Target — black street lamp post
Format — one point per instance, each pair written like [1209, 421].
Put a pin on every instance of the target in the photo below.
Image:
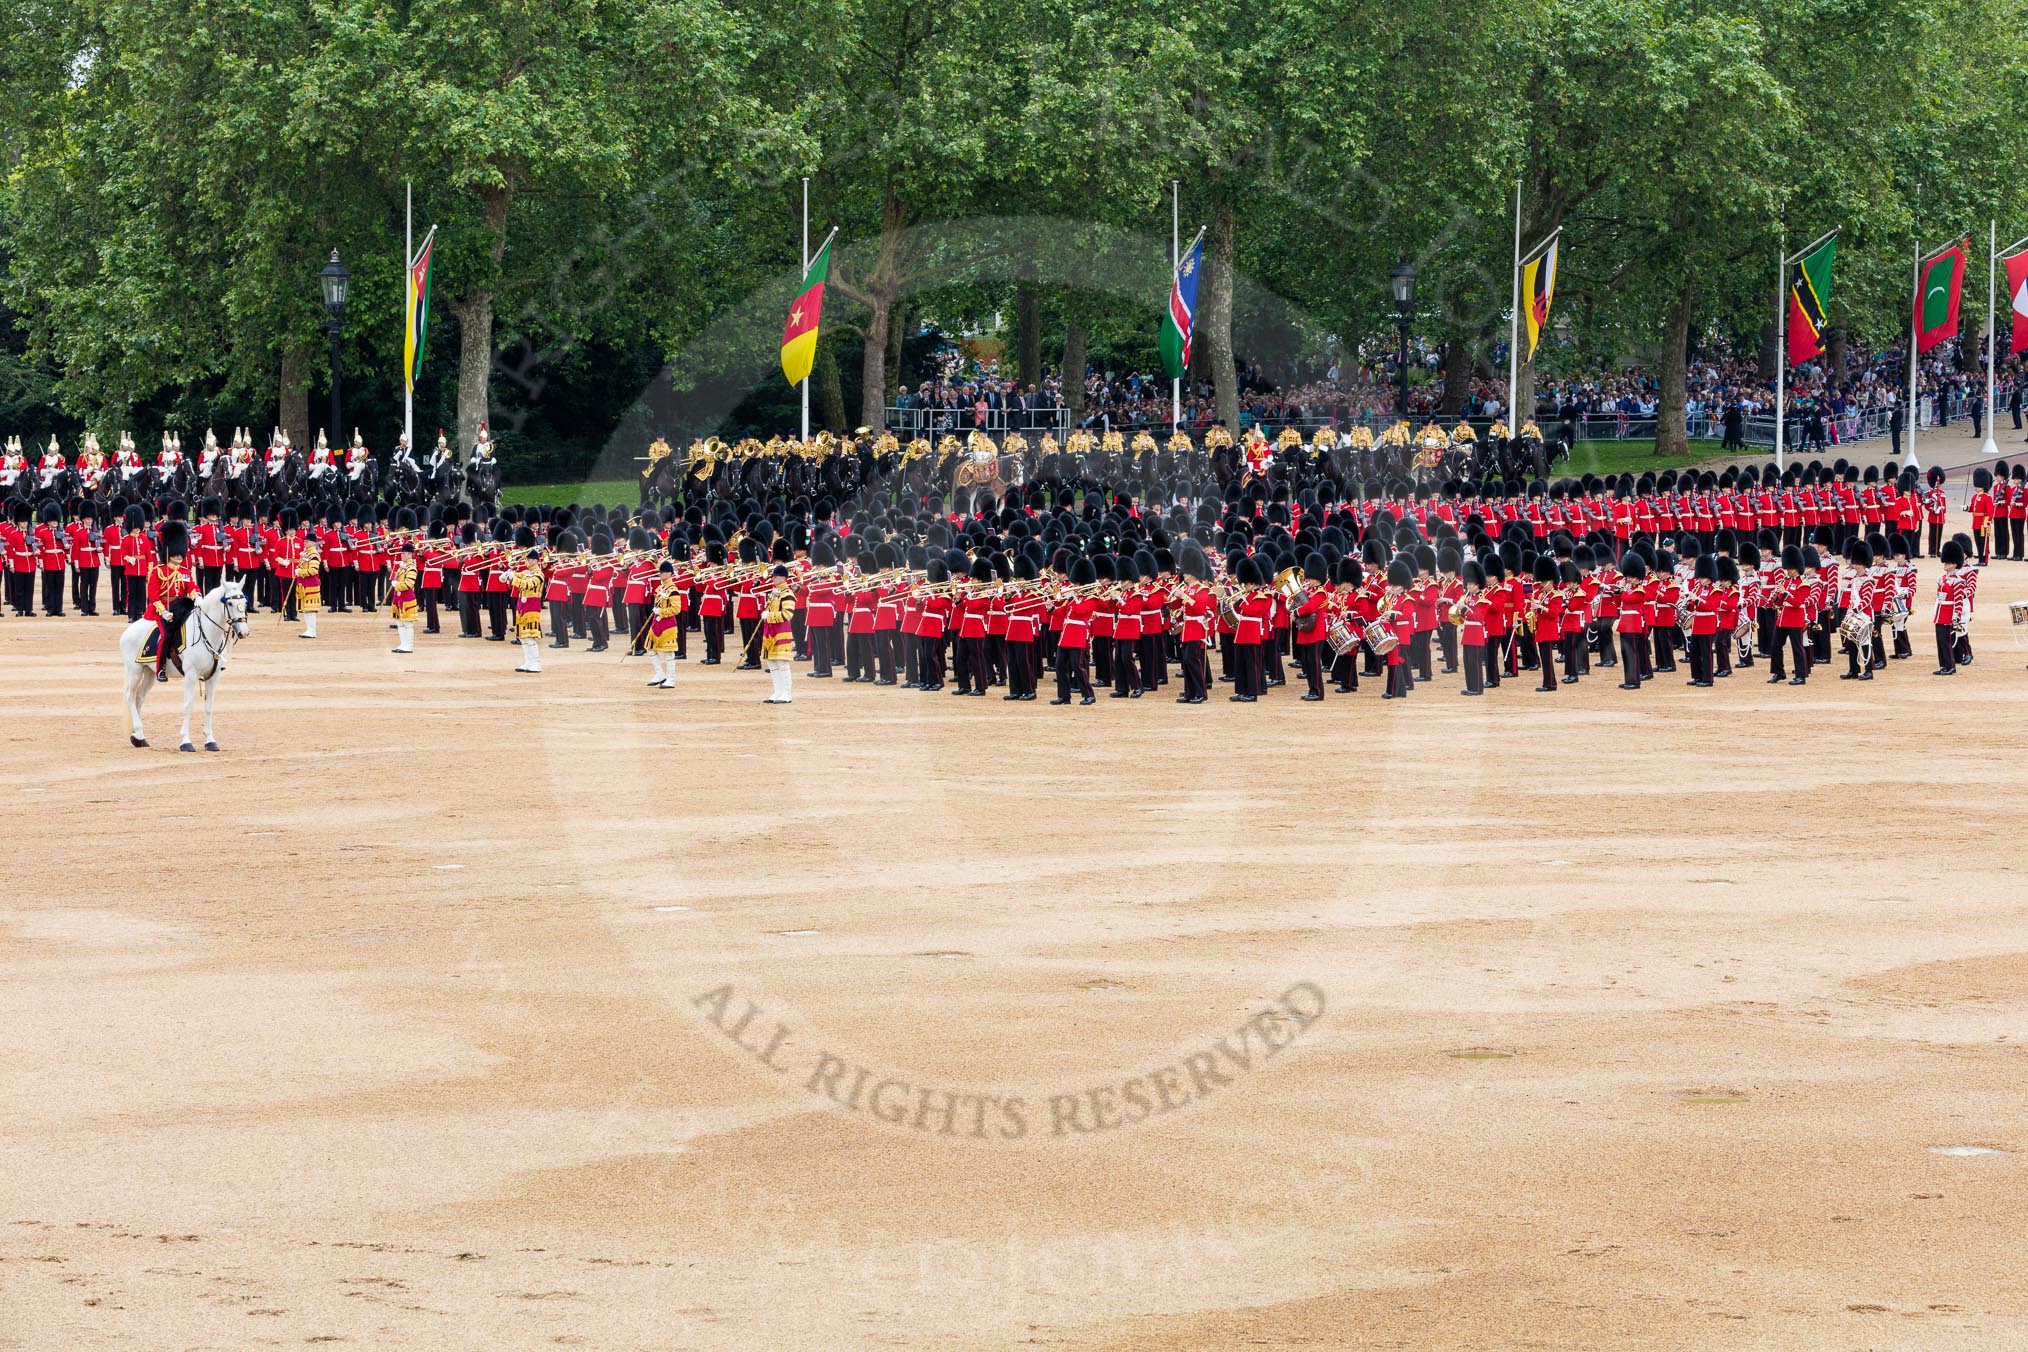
[1403, 280]
[335, 279]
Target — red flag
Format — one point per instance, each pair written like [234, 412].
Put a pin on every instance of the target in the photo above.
[2017, 287]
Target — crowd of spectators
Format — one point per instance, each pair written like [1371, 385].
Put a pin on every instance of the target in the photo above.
[1725, 396]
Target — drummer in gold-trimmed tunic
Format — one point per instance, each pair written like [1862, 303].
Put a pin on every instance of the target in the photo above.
[777, 635]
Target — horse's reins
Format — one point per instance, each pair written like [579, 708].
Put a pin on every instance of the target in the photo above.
[226, 636]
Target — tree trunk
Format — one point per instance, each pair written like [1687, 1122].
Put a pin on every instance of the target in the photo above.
[1457, 378]
[827, 408]
[873, 363]
[1834, 353]
[475, 363]
[897, 331]
[1028, 324]
[294, 408]
[1217, 318]
[878, 288]
[474, 313]
[1671, 438]
[1073, 371]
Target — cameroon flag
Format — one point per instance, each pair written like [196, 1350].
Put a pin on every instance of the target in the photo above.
[799, 335]
[1807, 294]
[1538, 290]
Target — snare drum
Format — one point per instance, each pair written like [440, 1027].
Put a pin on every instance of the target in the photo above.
[1380, 638]
[1339, 635]
[2017, 611]
[1857, 629]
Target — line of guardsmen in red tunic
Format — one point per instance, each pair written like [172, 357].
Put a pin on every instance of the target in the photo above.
[906, 615]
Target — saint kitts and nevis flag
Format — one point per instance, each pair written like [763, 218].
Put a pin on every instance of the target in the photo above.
[1808, 293]
[418, 288]
[799, 335]
[1180, 322]
[1937, 295]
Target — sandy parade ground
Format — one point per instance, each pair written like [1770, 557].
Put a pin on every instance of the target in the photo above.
[454, 1008]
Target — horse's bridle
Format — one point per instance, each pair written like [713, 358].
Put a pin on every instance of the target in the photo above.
[227, 634]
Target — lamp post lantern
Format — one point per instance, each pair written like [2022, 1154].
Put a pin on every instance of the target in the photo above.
[335, 280]
[1403, 281]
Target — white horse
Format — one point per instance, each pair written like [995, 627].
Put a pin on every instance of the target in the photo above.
[215, 623]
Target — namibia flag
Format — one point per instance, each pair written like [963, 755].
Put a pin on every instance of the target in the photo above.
[1181, 320]
[1807, 294]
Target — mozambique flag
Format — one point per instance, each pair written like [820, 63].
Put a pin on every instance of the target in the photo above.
[1538, 290]
[418, 311]
[1807, 294]
[799, 335]
[1180, 323]
[1936, 301]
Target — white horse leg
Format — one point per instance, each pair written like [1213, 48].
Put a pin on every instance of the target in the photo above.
[210, 697]
[189, 699]
[139, 679]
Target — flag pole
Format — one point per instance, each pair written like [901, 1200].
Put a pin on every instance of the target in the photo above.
[1781, 351]
[407, 287]
[1914, 317]
[1514, 329]
[806, 269]
[1992, 325]
[1175, 262]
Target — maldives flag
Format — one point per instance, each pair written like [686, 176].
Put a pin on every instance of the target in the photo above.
[1936, 299]
[799, 335]
[2017, 287]
[1180, 322]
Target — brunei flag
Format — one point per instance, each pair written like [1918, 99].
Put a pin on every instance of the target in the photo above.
[1538, 291]
[799, 335]
[1807, 294]
[418, 287]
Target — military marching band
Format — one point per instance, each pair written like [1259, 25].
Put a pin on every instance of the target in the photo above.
[1265, 581]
